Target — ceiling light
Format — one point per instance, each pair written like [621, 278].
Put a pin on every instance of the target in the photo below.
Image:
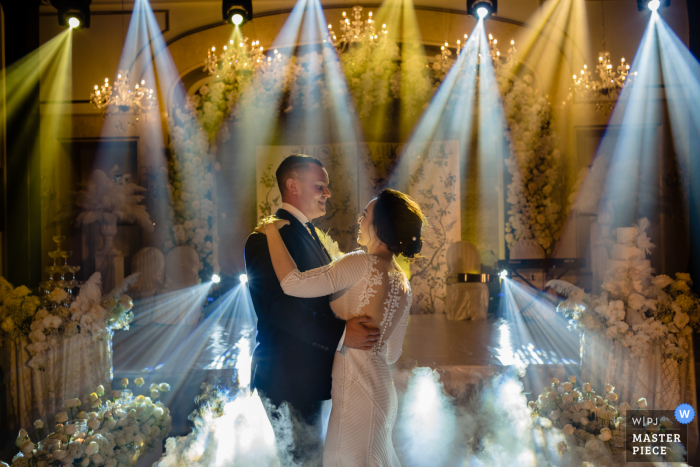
[482, 8]
[74, 14]
[653, 5]
[237, 12]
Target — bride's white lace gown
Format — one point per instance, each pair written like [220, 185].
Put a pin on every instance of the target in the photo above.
[363, 394]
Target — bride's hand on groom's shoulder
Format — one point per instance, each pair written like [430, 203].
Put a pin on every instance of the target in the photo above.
[269, 222]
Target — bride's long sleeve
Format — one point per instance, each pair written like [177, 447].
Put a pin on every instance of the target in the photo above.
[395, 342]
[340, 274]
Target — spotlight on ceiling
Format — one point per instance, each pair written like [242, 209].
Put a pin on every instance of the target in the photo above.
[216, 278]
[237, 11]
[482, 8]
[243, 278]
[503, 274]
[653, 5]
[74, 14]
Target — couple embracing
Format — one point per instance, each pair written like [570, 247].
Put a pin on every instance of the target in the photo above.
[330, 329]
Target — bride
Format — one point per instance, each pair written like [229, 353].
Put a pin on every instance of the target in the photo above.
[362, 283]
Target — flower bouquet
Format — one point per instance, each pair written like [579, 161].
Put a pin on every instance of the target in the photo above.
[46, 322]
[114, 434]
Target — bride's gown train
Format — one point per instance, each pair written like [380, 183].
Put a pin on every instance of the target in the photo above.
[363, 393]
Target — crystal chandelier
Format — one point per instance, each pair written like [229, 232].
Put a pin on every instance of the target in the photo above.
[444, 62]
[356, 30]
[235, 58]
[605, 89]
[119, 98]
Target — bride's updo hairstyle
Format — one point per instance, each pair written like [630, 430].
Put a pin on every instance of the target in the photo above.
[399, 221]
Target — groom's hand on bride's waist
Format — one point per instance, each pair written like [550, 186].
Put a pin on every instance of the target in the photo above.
[360, 336]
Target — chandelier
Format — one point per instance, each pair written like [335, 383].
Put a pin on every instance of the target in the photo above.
[235, 58]
[444, 61]
[356, 30]
[119, 98]
[607, 86]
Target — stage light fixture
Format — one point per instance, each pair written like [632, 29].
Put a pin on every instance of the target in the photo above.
[74, 22]
[74, 14]
[653, 5]
[503, 274]
[243, 278]
[216, 278]
[237, 12]
[482, 8]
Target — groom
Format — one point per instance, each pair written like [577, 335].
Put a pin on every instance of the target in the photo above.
[298, 337]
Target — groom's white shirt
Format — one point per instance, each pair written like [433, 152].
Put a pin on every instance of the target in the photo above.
[304, 220]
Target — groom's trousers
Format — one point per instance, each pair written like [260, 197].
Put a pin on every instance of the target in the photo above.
[306, 430]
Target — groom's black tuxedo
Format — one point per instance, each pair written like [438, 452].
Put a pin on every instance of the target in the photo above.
[296, 337]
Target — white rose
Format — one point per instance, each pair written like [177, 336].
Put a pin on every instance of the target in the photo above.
[59, 454]
[27, 446]
[641, 403]
[567, 387]
[624, 407]
[92, 448]
[164, 387]
[569, 429]
[583, 421]
[61, 417]
[662, 281]
[21, 437]
[592, 445]
[587, 387]
[70, 429]
[85, 462]
[93, 424]
[605, 434]
[636, 301]
[97, 459]
[567, 398]
[39, 424]
[609, 388]
[681, 319]
[572, 379]
[612, 396]
[37, 336]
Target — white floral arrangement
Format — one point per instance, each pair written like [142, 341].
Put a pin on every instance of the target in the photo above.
[534, 165]
[45, 323]
[108, 199]
[114, 434]
[591, 424]
[636, 309]
[191, 190]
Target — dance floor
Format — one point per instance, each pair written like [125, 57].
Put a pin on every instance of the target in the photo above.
[470, 352]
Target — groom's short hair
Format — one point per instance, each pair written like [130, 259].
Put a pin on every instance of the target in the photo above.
[291, 166]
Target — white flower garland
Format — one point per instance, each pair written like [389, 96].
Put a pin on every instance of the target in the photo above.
[534, 163]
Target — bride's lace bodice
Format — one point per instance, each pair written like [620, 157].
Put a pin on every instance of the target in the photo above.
[361, 284]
